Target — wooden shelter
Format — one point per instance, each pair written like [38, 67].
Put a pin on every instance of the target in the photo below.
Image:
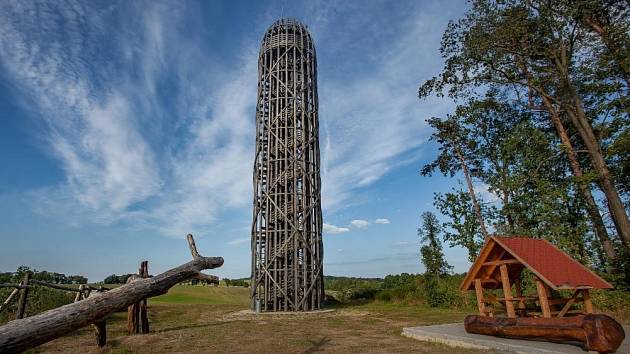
[500, 264]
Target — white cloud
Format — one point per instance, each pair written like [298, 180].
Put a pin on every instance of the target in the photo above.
[104, 120]
[239, 241]
[381, 221]
[378, 125]
[339, 249]
[332, 229]
[401, 243]
[176, 166]
[94, 134]
[360, 224]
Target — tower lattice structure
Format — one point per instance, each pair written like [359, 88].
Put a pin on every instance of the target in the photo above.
[287, 249]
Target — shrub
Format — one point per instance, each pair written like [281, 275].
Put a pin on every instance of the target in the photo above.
[39, 299]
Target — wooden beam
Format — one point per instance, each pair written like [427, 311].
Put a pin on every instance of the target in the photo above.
[501, 261]
[567, 306]
[588, 304]
[479, 292]
[8, 300]
[507, 291]
[519, 294]
[490, 270]
[23, 297]
[476, 267]
[543, 298]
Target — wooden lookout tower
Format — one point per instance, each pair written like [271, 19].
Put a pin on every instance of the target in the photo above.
[287, 250]
[500, 265]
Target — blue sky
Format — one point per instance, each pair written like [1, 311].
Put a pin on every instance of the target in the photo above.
[127, 125]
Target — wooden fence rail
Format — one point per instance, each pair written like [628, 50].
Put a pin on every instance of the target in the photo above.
[20, 335]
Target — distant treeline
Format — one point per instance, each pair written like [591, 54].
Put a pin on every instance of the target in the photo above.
[116, 279]
[405, 287]
[244, 282]
[336, 283]
[45, 276]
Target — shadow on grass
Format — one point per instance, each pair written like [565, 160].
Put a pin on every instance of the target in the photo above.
[317, 346]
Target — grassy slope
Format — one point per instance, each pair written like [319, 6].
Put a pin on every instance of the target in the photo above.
[201, 295]
[202, 319]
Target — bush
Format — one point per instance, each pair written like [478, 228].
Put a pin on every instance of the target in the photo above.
[39, 299]
[444, 292]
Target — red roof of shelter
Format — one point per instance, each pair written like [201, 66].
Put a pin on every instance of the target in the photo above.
[550, 264]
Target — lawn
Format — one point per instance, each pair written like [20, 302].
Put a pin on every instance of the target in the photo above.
[197, 319]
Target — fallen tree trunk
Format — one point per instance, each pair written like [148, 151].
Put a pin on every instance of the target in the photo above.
[598, 333]
[19, 335]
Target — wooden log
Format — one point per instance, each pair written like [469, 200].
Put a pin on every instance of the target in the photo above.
[502, 261]
[599, 333]
[100, 327]
[543, 298]
[144, 316]
[507, 291]
[79, 293]
[133, 311]
[100, 332]
[59, 287]
[588, 304]
[54, 286]
[12, 285]
[9, 298]
[137, 320]
[20, 335]
[21, 310]
[479, 294]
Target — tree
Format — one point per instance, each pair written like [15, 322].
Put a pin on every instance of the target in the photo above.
[529, 183]
[462, 226]
[77, 279]
[538, 49]
[431, 250]
[111, 279]
[456, 153]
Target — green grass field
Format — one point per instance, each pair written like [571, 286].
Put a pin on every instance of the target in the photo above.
[198, 319]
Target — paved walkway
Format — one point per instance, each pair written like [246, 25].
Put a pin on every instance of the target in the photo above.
[454, 335]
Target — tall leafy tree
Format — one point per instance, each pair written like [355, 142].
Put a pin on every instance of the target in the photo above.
[457, 153]
[431, 250]
[540, 50]
[532, 191]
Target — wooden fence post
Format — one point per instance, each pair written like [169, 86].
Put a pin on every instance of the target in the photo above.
[100, 332]
[23, 297]
[79, 296]
[137, 313]
[144, 318]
